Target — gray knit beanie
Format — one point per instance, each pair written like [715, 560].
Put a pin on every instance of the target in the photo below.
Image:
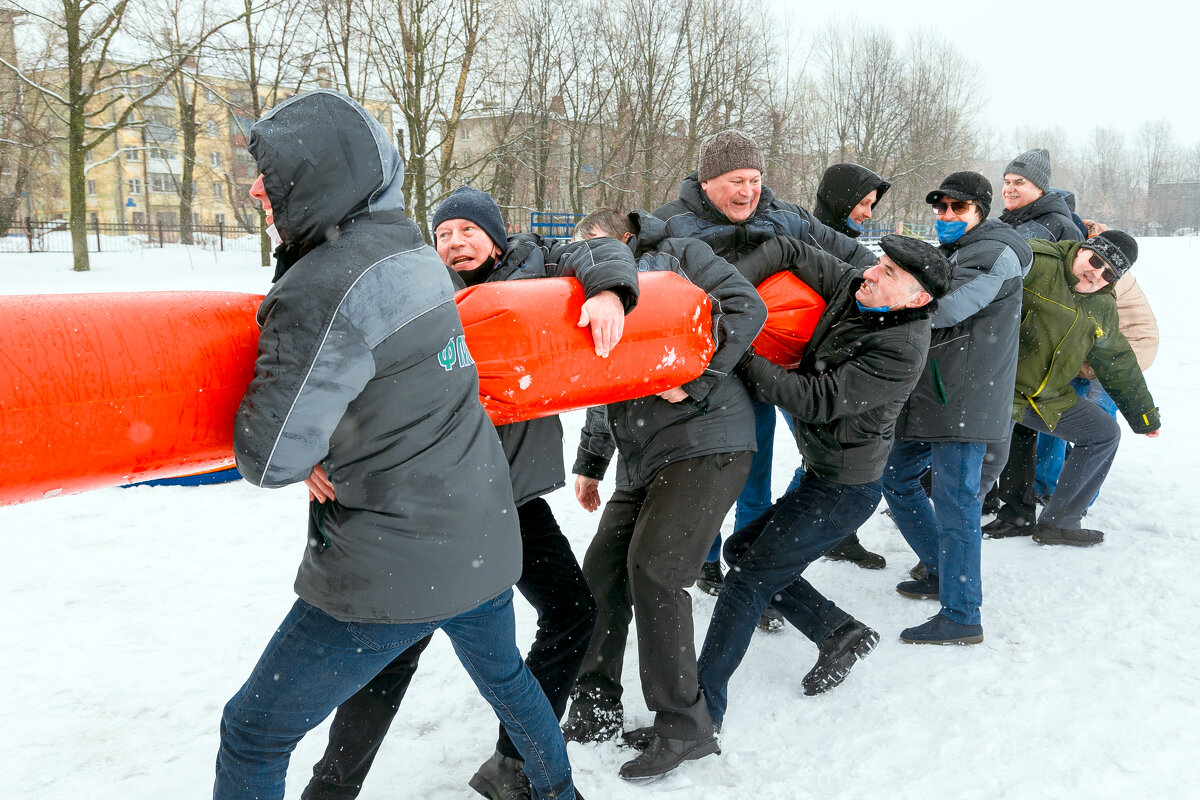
[1033, 165]
[726, 151]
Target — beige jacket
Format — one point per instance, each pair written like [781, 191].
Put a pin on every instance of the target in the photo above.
[1137, 323]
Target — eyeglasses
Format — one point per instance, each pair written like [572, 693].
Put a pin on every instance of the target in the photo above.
[957, 206]
[1108, 275]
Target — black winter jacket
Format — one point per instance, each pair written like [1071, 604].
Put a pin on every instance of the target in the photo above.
[843, 186]
[348, 376]
[692, 216]
[717, 417]
[964, 391]
[857, 371]
[1046, 218]
[534, 448]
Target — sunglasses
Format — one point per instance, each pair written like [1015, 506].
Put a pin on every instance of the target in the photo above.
[1108, 275]
[957, 206]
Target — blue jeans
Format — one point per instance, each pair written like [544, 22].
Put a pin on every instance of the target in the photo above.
[767, 559]
[314, 662]
[756, 496]
[945, 534]
[1052, 452]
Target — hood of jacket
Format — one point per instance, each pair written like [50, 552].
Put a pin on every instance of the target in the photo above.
[324, 161]
[841, 189]
[696, 201]
[648, 232]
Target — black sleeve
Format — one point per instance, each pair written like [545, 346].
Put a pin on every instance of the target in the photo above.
[600, 264]
[596, 445]
[821, 271]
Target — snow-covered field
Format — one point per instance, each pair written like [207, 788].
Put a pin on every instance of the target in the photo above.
[134, 614]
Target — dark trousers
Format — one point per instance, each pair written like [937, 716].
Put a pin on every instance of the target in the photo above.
[553, 584]
[767, 559]
[1094, 436]
[650, 545]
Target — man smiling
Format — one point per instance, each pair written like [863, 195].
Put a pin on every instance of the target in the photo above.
[1069, 316]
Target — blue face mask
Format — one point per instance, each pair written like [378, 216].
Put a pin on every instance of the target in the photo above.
[873, 309]
[854, 226]
[948, 231]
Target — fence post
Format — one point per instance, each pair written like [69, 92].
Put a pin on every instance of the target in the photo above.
[29, 232]
[96, 228]
[160, 235]
[221, 233]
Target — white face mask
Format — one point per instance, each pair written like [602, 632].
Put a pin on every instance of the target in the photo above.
[273, 235]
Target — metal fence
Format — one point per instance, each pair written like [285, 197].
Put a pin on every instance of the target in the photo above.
[32, 236]
[553, 224]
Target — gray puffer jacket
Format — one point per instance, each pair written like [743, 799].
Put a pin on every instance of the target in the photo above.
[348, 375]
[692, 216]
[534, 448]
[649, 432]
[963, 394]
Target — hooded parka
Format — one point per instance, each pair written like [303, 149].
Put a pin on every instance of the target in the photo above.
[362, 368]
[843, 186]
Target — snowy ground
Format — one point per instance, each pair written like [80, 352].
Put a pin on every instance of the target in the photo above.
[135, 614]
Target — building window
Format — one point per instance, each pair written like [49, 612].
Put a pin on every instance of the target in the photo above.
[196, 218]
[219, 218]
[135, 186]
[91, 187]
[217, 191]
[162, 183]
[139, 219]
[133, 155]
[214, 130]
[210, 96]
[93, 218]
[214, 159]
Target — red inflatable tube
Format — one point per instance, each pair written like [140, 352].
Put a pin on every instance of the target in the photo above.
[792, 313]
[106, 389]
[109, 389]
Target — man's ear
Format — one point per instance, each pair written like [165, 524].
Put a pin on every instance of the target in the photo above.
[922, 299]
[627, 237]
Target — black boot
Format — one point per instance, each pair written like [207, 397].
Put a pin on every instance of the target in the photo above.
[502, 778]
[851, 549]
[664, 755]
[1004, 529]
[1075, 537]
[771, 621]
[837, 653]
[991, 501]
[711, 580]
[588, 722]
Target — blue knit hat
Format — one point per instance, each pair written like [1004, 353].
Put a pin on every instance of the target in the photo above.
[467, 202]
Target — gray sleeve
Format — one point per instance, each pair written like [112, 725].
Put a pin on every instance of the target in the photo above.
[974, 286]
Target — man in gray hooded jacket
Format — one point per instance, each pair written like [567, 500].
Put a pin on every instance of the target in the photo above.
[364, 390]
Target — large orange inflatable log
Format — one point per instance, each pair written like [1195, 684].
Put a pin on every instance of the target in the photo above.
[793, 309]
[108, 389]
[534, 360]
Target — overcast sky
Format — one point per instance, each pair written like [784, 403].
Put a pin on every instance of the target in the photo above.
[1056, 64]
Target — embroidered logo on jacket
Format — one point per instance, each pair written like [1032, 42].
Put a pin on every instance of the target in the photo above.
[455, 353]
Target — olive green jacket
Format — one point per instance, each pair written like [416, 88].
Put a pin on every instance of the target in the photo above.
[1060, 329]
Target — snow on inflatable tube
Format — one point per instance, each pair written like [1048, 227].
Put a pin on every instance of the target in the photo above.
[793, 309]
[109, 389]
[534, 360]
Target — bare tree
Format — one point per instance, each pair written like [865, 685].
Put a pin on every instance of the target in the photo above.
[425, 58]
[92, 93]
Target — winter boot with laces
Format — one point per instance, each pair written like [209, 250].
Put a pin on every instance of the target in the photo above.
[837, 653]
[711, 580]
[502, 778]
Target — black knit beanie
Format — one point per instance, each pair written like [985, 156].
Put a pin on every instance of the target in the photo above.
[467, 202]
[726, 151]
[1117, 248]
[921, 260]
